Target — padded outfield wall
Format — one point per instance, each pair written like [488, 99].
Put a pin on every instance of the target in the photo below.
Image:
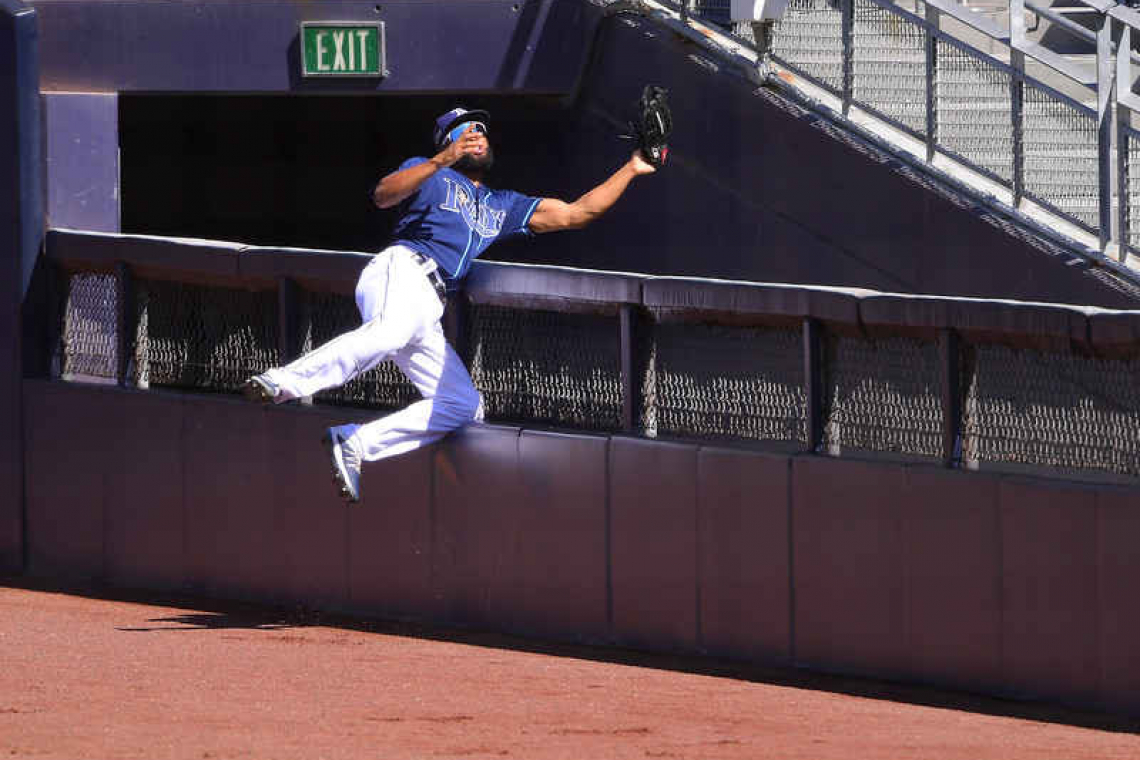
[863, 562]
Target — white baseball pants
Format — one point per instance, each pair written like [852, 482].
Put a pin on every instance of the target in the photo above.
[401, 321]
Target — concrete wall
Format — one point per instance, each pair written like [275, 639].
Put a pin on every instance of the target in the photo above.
[1001, 584]
[21, 232]
[81, 135]
[238, 47]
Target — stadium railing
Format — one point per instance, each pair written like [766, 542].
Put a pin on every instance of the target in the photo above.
[969, 383]
[1038, 128]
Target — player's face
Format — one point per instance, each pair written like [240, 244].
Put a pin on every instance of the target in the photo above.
[477, 162]
[483, 158]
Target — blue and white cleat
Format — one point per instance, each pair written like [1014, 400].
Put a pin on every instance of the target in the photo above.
[346, 464]
[261, 390]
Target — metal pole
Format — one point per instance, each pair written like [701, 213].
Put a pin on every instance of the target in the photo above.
[1104, 81]
[933, 18]
[948, 345]
[847, 32]
[124, 324]
[629, 403]
[1123, 141]
[813, 382]
[1017, 96]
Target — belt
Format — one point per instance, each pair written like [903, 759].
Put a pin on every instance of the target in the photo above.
[431, 270]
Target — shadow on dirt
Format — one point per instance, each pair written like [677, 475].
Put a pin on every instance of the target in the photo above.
[211, 614]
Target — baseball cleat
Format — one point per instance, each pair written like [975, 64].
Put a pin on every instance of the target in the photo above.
[260, 390]
[346, 464]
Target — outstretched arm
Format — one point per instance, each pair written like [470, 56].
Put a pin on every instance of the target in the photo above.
[552, 214]
[400, 184]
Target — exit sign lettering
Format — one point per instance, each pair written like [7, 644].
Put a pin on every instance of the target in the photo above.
[334, 49]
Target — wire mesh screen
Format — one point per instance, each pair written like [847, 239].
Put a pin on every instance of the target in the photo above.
[973, 111]
[1131, 236]
[1055, 410]
[89, 346]
[883, 395]
[716, 11]
[889, 65]
[716, 382]
[204, 338]
[809, 38]
[1061, 156]
[546, 367]
[383, 387]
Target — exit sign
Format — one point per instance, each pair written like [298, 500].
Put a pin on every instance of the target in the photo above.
[334, 49]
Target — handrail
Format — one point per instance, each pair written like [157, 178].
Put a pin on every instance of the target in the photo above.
[1070, 26]
[1106, 235]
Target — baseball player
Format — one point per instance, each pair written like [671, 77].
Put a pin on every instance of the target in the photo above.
[448, 217]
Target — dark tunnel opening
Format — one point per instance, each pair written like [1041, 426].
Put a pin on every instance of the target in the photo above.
[299, 170]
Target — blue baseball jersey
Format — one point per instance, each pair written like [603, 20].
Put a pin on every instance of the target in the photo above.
[453, 220]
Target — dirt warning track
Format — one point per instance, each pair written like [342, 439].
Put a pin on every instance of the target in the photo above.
[84, 677]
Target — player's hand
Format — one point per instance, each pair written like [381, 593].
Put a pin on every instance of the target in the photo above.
[639, 165]
[469, 143]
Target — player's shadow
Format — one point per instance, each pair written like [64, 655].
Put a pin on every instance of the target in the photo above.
[229, 617]
[206, 620]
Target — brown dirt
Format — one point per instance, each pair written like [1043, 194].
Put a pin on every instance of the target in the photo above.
[84, 677]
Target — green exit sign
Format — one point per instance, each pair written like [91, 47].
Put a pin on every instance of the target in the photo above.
[334, 49]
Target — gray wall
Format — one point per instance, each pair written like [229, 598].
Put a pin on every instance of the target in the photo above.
[21, 229]
[996, 583]
[236, 46]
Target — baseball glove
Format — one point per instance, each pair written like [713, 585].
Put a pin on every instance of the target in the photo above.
[653, 124]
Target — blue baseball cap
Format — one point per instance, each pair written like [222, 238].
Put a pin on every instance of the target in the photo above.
[452, 119]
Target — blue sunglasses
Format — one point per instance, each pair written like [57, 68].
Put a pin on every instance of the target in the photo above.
[455, 133]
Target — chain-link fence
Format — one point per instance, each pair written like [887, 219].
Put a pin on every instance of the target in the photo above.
[883, 395]
[547, 367]
[692, 380]
[202, 337]
[1055, 410]
[88, 347]
[714, 382]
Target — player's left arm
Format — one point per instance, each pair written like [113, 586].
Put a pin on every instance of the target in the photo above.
[552, 214]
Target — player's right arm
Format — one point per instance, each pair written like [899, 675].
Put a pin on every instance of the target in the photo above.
[400, 184]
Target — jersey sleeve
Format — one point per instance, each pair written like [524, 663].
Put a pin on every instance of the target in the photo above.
[405, 204]
[520, 208]
[409, 163]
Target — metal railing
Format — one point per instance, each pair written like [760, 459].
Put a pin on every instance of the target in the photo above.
[832, 371]
[1052, 131]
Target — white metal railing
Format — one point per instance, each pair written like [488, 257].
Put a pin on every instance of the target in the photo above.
[1054, 130]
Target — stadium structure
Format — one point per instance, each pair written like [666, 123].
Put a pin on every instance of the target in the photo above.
[850, 385]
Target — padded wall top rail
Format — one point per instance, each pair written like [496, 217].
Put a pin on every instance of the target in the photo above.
[1040, 326]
